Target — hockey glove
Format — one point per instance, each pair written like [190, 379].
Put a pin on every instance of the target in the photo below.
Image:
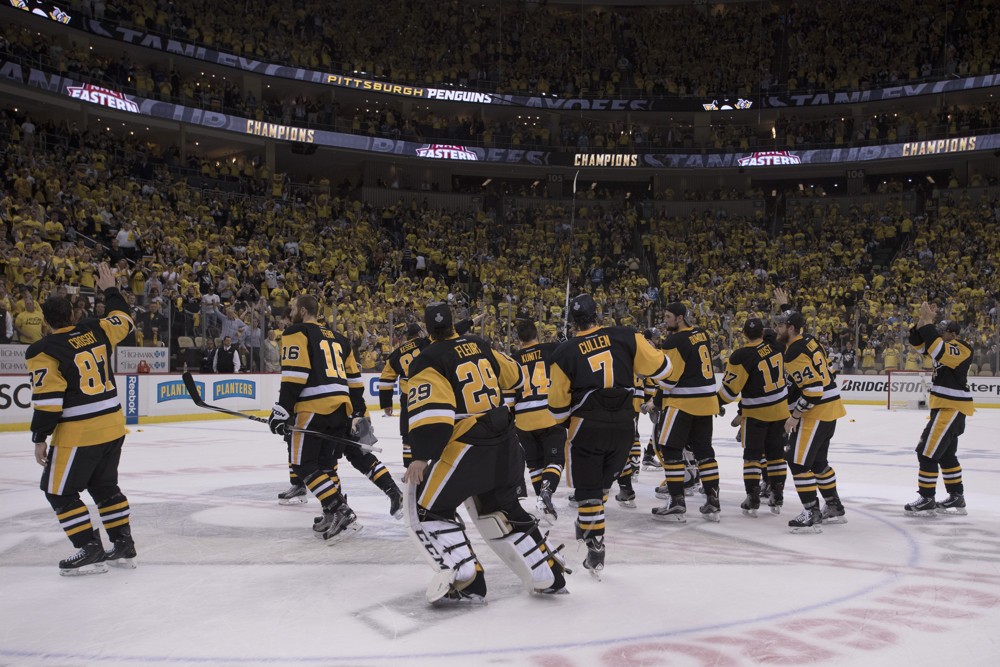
[280, 421]
[361, 431]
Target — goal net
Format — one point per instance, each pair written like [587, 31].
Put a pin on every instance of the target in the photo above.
[908, 390]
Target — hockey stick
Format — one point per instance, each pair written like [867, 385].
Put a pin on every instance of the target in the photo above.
[192, 389]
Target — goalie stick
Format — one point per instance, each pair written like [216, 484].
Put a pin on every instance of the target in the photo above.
[192, 389]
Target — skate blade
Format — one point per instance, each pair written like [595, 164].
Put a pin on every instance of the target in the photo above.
[924, 514]
[750, 513]
[834, 520]
[595, 573]
[464, 601]
[663, 495]
[712, 517]
[775, 509]
[670, 518]
[298, 500]
[398, 514]
[953, 511]
[94, 568]
[627, 504]
[650, 467]
[349, 531]
[124, 563]
[549, 591]
[804, 530]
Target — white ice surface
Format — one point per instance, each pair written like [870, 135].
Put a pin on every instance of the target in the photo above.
[228, 577]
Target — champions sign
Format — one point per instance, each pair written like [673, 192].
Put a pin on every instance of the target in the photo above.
[102, 96]
[769, 159]
[446, 152]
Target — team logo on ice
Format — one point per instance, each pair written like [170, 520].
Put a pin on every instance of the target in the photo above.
[103, 96]
[770, 159]
[446, 152]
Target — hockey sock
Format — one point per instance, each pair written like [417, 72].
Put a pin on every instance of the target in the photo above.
[826, 481]
[293, 478]
[114, 515]
[380, 476]
[751, 475]
[953, 480]
[708, 472]
[764, 472]
[805, 486]
[536, 479]
[323, 486]
[74, 519]
[590, 519]
[674, 476]
[552, 473]
[774, 471]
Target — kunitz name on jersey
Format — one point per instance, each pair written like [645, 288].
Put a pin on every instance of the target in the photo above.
[103, 96]
[445, 152]
[459, 96]
[769, 159]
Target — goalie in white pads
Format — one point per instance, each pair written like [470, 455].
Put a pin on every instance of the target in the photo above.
[465, 450]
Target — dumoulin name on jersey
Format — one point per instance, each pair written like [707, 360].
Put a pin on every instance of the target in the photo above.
[73, 387]
[531, 403]
[949, 388]
[806, 365]
[690, 387]
[598, 359]
[397, 367]
[454, 384]
[756, 375]
[319, 373]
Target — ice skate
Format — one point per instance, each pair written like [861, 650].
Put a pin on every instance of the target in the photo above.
[776, 501]
[954, 504]
[293, 495]
[571, 500]
[662, 491]
[594, 562]
[626, 498]
[750, 505]
[673, 512]
[545, 504]
[833, 512]
[90, 559]
[395, 502]
[921, 507]
[337, 524]
[122, 553]
[809, 521]
[457, 598]
[711, 510]
[649, 460]
[765, 490]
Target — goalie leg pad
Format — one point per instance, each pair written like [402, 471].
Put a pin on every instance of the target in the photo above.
[521, 546]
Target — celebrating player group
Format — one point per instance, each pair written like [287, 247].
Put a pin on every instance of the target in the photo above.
[474, 420]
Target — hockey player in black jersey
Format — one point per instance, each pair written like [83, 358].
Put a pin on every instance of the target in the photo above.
[76, 402]
[950, 404]
[543, 440]
[688, 403]
[465, 450]
[592, 388]
[814, 413]
[321, 390]
[397, 368]
[755, 375]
